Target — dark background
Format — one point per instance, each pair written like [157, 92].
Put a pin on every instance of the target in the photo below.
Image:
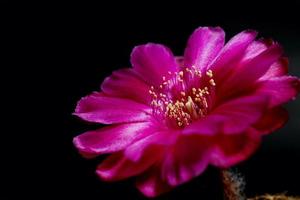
[76, 47]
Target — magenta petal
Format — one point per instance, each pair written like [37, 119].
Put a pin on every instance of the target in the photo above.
[231, 117]
[272, 120]
[231, 53]
[111, 139]
[107, 110]
[249, 72]
[117, 166]
[256, 48]
[156, 140]
[279, 89]
[278, 68]
[151, 183]
[232, 149]
[126, 84]
[203, 46]
[152, 62]
[186, 160]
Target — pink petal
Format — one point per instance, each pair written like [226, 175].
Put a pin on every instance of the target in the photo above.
[107, 110]
[278, 68]
[159, 139]
[256, 48]
[151, 183]
[247, 73]
[279, 89]
[126, 84]
[272, 120]
[152, 62]
[186, 160]
[232, 117]
[117, 166]
[232, 149]
[203, 46]
[230, 55]
[112, 138]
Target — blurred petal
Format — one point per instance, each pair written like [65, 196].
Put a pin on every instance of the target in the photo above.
[117, 166]
[232, 149]
[125, 83]
[151, 183]
[107, 110]
[272, 120]
[112, 138]
[231, 54]
[186, 160]
[279, 89]
[158, 139]
[254, 49]
[278, 68]
[246, 74]
[152, 62]
[203, 46]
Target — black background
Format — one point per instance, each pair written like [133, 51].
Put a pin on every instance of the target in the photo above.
[70, 49]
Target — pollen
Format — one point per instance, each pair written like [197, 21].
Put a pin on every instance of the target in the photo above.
[212, 82]
[209, 73]
[180, 99]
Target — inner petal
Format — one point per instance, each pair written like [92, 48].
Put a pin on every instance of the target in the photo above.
[183, 96]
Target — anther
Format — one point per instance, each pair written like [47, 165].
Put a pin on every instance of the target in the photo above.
[212, 82]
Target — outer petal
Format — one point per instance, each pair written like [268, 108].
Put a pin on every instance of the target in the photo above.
[254, 49]
[187, 159]
[230, 55]
[117, 166]
[112, 138]
[232, 149]
[160, 139]
[203, 46]
[247, 73]
[152, 62]
[151, 183]
[279, 89]
[125, 83]
[278, 68]
[232, 117]
[107, 110]
[272, 120]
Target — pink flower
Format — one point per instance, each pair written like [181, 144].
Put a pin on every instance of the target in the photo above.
[170, 117]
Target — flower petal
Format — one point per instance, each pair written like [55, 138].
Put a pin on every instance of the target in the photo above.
[112, 138]
[159, 139]
[117, 166]
[152, 62]
[151, 183]
[232, 149]
[278, 68]
[107, 110]
[186, 160]
[126, 84]
[247, 73]
[203, 46]
[230, 55]
[232, 117]
[272, 120]
[279, 89]
[255, 48]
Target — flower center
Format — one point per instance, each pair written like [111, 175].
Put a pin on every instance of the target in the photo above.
[183, 96]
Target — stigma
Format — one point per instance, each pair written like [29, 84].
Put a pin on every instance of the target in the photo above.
[183, 96]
